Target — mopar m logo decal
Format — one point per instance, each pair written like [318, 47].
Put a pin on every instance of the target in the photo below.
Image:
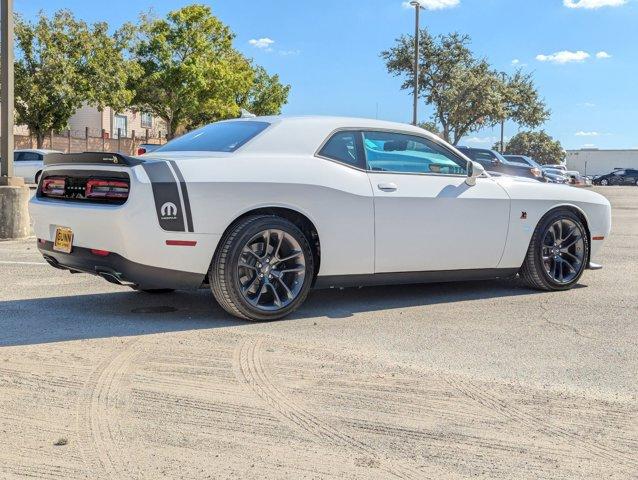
[168, 211]
[166, 193]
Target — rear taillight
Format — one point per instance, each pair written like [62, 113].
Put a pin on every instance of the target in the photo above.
[108, 189]
[141, 151]
[53, 186]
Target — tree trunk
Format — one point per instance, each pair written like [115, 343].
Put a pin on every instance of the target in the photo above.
[39, 138]
[169, 129]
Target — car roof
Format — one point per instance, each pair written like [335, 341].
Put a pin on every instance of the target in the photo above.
[333, 121]
[43, 151]
[474, 149]
[305, 133]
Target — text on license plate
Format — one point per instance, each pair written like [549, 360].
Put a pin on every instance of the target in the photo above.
[63, 240]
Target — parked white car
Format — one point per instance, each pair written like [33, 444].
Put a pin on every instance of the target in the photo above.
[28, 163]
[263, 209]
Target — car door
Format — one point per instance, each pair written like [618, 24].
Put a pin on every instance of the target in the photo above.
[26, 165]
[629, 178]
[427, 217]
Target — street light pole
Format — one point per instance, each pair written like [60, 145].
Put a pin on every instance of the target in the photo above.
[417, 9]
[503, 128]
[6, 100]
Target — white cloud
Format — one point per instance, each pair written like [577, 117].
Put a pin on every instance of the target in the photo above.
[564, 57]
[588, 105]
[262, 43]
[593, 4]
[482, 140]
[434, 4]
[517, 63]
[603, 54]
[588, 145]
[587, 134]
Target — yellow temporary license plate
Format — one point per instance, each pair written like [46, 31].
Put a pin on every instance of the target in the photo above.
[63, 240]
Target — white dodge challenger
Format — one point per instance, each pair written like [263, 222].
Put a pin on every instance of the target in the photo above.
[263, 209]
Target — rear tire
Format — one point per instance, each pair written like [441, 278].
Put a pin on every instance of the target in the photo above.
[558, 252]
[263, 268]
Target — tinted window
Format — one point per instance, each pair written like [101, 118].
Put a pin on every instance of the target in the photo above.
[26, 157]
[216, 137]
[396, 152]
[342, 147]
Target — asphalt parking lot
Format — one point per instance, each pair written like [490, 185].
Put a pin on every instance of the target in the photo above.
[463, 380]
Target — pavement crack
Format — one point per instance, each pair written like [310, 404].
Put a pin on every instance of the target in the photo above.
[561, 326]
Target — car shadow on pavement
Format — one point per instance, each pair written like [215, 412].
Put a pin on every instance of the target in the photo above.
[56, 319]
[126, 313]
[343, 303]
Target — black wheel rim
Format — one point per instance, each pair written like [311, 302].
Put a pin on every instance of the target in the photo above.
[563, 251]
[271, 270]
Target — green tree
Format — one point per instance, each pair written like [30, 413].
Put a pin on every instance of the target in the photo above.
[193, 75]
[537, 145]
[62, 63]
[266, 95]
[465, 93]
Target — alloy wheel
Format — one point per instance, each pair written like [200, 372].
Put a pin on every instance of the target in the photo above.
[563, 251]
[271, 270]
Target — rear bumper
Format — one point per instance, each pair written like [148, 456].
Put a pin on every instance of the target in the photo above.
[119, 270]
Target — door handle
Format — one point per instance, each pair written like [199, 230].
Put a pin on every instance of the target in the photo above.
[388, 187]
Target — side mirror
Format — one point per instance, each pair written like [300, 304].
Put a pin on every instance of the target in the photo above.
[474, 170]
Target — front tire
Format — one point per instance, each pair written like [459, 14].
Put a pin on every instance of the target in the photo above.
[262, 269]
[558, 252]
[604, 182]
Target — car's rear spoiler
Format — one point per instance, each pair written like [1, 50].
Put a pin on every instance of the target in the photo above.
[91, 158]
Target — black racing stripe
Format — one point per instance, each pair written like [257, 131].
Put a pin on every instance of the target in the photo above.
[187, 203]
[166, 195]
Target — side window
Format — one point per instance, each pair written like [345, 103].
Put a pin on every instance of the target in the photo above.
[17, 156]
[30, 157]
[342, 147]
[397, 152]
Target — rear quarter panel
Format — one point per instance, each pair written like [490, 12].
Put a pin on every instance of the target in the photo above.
[336, 198]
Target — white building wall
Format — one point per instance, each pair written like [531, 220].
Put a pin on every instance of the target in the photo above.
[600, 162]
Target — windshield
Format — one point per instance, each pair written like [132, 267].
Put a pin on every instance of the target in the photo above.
[216, 137]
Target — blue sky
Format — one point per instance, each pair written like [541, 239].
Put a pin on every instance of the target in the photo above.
[328, 50]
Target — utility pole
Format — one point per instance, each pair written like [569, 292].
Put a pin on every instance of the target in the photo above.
[503, 128]
[415, 106]
[14, 194]
[6, 100]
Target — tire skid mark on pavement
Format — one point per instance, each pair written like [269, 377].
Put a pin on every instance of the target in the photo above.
[250, 368]
[536, 422]
[100, 450]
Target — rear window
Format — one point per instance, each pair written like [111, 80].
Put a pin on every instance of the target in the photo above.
[216, 137]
